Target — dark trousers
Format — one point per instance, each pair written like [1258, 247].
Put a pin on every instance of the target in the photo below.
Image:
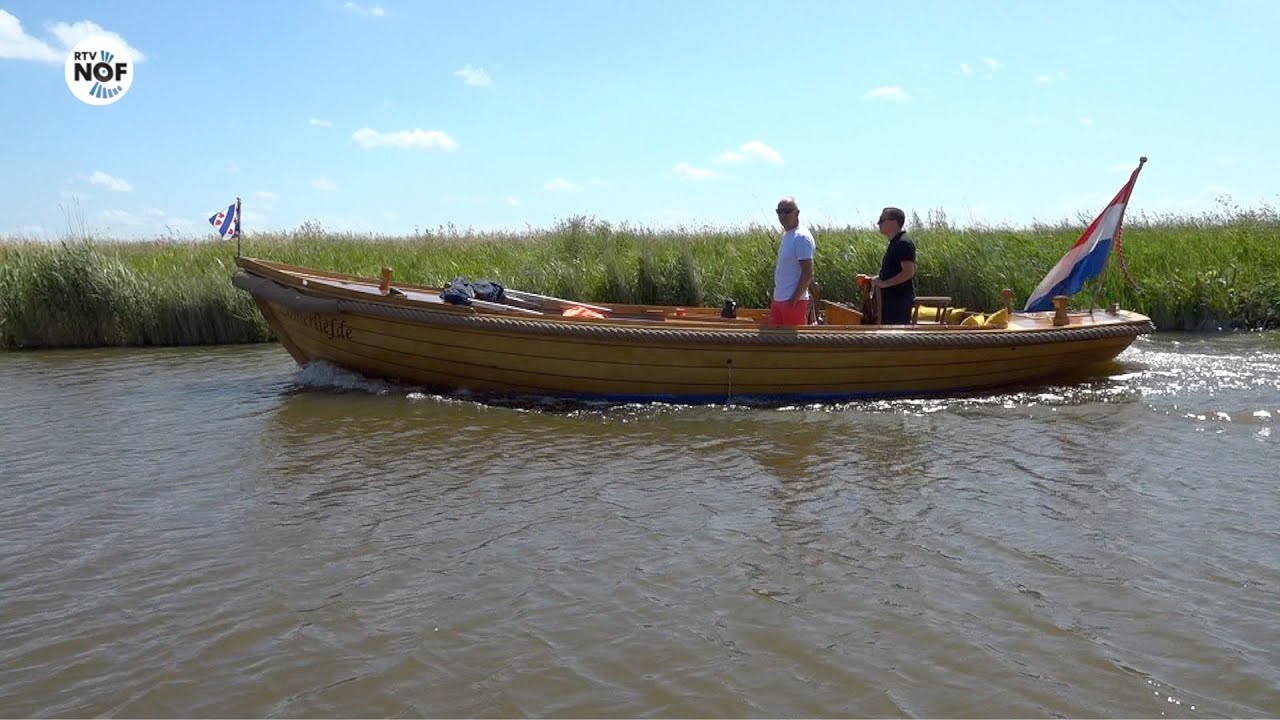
[896, 309]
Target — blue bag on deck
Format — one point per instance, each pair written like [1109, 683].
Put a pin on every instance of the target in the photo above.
[461, 292]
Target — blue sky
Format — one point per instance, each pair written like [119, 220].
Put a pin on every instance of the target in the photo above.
[384, 116]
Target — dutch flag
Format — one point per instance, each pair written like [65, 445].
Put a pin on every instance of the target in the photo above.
[1088, 256]
[227, 222]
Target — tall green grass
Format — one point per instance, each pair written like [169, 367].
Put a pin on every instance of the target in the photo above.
[1190, 273]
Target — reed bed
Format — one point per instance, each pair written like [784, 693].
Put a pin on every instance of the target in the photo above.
[1213, 271]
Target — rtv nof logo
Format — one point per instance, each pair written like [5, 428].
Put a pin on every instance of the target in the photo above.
[99, 70]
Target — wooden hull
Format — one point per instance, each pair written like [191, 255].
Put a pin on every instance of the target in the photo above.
[698, 357]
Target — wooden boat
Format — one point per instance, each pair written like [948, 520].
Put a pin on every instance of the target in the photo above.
[535, 344]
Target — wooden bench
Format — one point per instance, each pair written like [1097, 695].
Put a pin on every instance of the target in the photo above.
[941, 303]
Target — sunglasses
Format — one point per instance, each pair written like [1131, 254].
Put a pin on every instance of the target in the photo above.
[785, 211]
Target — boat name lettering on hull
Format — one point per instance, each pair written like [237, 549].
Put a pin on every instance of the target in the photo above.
[330, 326]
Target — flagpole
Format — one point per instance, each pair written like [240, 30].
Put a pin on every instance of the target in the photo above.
[1120, 232]
[1119, 245]
[238, 232]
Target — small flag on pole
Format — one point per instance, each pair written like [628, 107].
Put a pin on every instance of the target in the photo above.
[227, 222]
[1088, 256]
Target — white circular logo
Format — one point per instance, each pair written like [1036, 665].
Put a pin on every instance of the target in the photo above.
[99, 70]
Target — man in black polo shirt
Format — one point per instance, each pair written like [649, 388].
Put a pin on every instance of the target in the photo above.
[897, 270]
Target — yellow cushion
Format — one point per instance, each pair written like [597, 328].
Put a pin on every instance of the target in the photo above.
[997, 319]
[955, 316]
[971, 321]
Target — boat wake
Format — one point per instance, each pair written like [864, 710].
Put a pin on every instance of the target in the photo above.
[321, 375]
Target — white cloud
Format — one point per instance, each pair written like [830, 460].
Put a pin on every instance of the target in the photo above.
[266, 197]
[1046, 78]
[16, 44]
[150, 222]
[690, 172]
[749, 151]
[375, 11]
[250, 217]
[71, 34]
[993, 64]
[560, 185]
[476, 77]
[1086, 121]
[965, 69]
[119, 217]
[317, 122]
[111, 183]
[324, 184]
[674, 217]
[415, 139]
[892, 93]
[158, 220]
[514, 201]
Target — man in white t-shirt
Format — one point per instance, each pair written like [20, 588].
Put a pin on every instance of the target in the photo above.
[794, 270]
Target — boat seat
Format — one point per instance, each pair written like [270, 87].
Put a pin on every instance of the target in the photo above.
[940, 303]
[835, 313]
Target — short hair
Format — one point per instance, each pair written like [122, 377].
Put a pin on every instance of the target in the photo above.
[894, 214]
[790, 201]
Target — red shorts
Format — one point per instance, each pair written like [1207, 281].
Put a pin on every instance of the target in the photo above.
[782, 312]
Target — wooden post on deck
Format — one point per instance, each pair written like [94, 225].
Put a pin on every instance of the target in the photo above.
[1060, 310]
[385, 287]
[1007, 294]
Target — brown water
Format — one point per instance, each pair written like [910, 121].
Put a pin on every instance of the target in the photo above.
[211, 532]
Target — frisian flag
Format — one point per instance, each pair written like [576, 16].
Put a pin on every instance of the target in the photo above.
[1088, 256]
[227, 222]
